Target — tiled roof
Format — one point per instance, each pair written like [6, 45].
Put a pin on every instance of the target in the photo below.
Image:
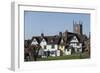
[57, 39]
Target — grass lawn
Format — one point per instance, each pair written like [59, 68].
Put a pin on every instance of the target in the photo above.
[73, 56]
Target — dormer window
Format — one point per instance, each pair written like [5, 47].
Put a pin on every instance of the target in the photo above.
[34, 40]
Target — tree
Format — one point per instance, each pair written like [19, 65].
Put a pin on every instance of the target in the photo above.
[35, 51]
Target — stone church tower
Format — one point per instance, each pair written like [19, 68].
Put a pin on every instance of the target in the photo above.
[77, 27]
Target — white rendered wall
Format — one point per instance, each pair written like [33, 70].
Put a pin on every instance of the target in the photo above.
[68, 52]
[43, 43]
[49, 47]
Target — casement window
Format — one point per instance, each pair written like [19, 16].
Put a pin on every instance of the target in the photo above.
[78, 44]
[45, 46]
[61, 46]
[78, 49]
[53, 46]
[52, 52]
[68, 49]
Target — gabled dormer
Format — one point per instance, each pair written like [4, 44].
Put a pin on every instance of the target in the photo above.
[34, 41]
[43, 42]
[74, 39]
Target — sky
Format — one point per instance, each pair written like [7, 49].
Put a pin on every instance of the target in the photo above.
[51, 23]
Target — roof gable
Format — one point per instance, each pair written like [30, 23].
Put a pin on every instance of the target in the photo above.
[52, 39]
[74, 39]
[43, 42]
[71, 37]
[34, 42]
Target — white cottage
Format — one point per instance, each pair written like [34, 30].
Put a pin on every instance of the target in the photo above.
[76, 44]
[52, 45]
[43, 44]
[43, 50]
[52, 48]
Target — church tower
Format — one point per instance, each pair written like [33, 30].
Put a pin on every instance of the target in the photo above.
[77, 27]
